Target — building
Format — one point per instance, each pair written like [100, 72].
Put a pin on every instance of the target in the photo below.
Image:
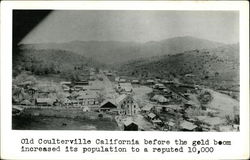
[117, 79]
[159, 86]
[129, 125]
[152, 116]
[109, 105]
[135, 81]
[90, 98]
[125, 88]
[65, 88]
[65, 83]
[127, 105]
[150, 82]
[187, 126]
[81, 83]
[66, 102]
[122, 80]
[160, 99]
[85, 109]
[45, 101]
[26, 103]
[189, 75]
[147, 108]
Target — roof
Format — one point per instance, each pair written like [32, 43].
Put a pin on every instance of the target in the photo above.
[151, 115]
[128, 121]
[66, 100]
[108, 101]
[121, 98]
[25, 83]
[160, 98]
[150, 80]
[157, 121]
[188, 125]
[147, 107]
[122, 80]
[135, 80]
[88, 95]
[63, 83]
[126, 86]
[117, 78]
[172, 106]
[211, 120]
[171, 123]
[26, 102]
[45, 100]
[191, 103]
[159, 85]
[17, 108]
[189, 75]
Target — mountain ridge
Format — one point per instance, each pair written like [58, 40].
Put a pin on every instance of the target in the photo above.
[110, 52]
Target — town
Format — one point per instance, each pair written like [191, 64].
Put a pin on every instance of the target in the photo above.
[103, 96]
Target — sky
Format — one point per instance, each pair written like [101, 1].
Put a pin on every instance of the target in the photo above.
[137, 26]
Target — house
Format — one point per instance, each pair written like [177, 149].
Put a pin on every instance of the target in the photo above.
[167, 91]
[190, 104]
[117, 79]
[167, 82]
[170, 125]
[173, 107]
[26, 103]
[159, 86]
[122, 80]
[32, 90]
[189, 75]
[109, 74]
[109, 105]
[90, 98]
[85, 109]
[65, 88]
[129, 125]
[65, 83]
[81, 83]
[125, 87]
[152, 116]
[45, 101]
[66, 101]
[25, 84]
[127, 105]
[150, 82]
[187, 126]
[160, 99]
[16, 110]
[135, 81]
[157, 122]
[147, 108]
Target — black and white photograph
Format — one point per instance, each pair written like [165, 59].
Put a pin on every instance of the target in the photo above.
[126, 70]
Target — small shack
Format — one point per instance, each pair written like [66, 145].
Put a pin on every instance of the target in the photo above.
[129, 125]
[147, 108]
[187, 126]
[152, 116]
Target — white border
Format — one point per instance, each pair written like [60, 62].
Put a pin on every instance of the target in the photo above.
[10, 140]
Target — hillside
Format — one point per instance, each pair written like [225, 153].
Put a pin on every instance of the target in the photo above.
[218, 67]
[49, 61]
[110, 52]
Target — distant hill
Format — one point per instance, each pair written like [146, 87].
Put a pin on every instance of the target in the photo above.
[218, 67]
[49, 61]
[110, 52]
